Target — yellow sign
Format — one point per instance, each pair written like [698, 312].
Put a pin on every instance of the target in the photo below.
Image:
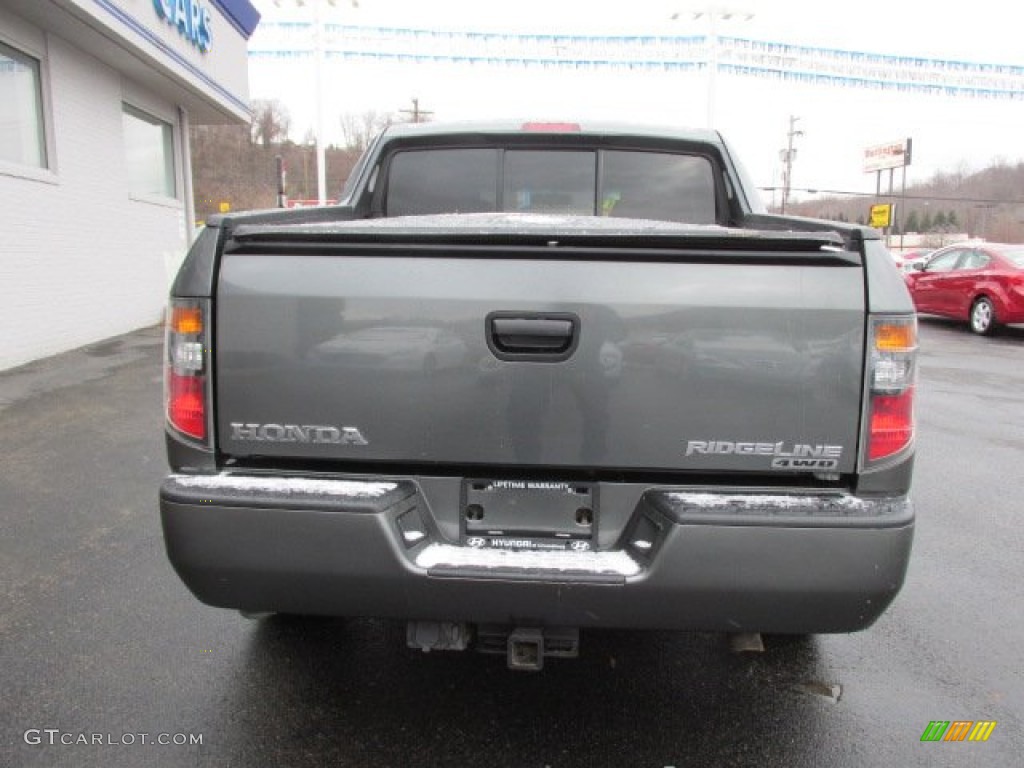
[225, 207]
[881, 215]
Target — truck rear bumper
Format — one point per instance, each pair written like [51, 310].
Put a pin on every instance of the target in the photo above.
[687, 559]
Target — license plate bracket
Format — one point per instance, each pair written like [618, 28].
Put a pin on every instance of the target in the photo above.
[529, 514]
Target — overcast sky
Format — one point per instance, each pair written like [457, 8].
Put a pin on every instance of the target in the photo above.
[837, 123]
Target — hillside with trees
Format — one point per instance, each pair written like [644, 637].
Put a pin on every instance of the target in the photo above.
[235, 165]
[986, 204]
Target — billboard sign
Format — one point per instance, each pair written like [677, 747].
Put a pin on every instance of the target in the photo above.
[880, 157]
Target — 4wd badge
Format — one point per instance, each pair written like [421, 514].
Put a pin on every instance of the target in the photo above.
[784, 456]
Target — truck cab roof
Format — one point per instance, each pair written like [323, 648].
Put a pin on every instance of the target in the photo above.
[520, 126]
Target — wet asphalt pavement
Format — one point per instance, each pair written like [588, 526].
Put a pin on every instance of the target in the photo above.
[99, 641]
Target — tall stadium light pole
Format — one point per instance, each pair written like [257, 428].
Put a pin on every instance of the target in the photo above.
[319, 54]
[321, 151]
[712, 66]
[713, 15]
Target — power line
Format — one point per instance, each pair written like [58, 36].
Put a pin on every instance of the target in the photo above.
[848, 193]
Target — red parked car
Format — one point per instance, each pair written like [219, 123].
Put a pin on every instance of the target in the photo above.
[982, 283]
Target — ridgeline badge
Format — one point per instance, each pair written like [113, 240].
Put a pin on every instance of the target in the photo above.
[783, 455]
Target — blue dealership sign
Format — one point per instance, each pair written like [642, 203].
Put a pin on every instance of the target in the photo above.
[192, 19]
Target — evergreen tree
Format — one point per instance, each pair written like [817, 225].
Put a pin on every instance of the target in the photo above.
[939, 223]
[926, 222]
[952, 222]
[913, 224]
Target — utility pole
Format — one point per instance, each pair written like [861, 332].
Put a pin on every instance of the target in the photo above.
[788, 155]
[416, 113]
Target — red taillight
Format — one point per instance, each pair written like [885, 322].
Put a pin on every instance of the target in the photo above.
[185, 366]
[186, 404]
[892, 373]
[892, 424]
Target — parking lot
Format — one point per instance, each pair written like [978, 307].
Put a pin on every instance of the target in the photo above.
[105, 656]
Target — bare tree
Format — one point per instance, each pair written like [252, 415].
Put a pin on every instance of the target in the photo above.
[358, 130]
[270, 122]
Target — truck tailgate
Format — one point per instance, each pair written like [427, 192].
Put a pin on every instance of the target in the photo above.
[731, 354]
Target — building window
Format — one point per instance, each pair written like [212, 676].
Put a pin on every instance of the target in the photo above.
[149, 144]
[22, 138]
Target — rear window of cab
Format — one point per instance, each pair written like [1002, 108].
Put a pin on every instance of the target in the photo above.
[594, 182]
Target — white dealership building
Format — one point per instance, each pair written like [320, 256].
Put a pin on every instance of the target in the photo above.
[96, 214]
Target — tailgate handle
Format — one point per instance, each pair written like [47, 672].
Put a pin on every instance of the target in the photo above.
[532, 336]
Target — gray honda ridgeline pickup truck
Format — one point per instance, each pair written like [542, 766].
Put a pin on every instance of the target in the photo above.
[531, 378]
